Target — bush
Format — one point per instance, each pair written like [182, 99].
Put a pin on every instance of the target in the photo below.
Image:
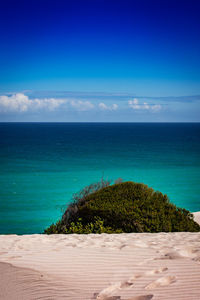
[80, 198]
[122, 207]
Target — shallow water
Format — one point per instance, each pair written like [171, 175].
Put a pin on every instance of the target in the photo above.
[43, 164]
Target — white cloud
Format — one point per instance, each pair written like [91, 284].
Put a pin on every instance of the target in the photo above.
[134, 104]
[103, 106]
[114, 106]
[21, 103]
[81, 105]
[156, 107]
[146, 106]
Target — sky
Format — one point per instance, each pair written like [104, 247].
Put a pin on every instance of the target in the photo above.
[100, 61]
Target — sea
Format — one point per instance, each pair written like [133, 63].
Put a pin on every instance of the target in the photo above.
[43, 164]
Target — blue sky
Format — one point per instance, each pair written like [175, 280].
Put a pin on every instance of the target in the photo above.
[100, 60]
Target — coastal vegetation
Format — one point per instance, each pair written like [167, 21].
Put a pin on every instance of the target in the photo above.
[122, 207]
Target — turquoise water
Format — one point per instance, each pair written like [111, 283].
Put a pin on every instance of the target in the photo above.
[43, 164]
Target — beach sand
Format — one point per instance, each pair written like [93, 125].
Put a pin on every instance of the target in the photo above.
[135, 266]
[197, 216]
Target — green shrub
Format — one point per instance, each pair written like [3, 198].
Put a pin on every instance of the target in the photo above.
[123, 207]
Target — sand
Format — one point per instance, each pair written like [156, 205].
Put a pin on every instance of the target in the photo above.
[197, 216]
[135, 266]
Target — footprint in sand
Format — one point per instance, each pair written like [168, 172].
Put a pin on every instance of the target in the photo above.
[163, 281]
[156, 271]
[148, 273]
[170, 255]
[106, 294]
[126, 284]
[136, 276]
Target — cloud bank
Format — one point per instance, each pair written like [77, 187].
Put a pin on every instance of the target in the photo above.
[81, 105]
[134, 104]
[21, 103]
[103, 106]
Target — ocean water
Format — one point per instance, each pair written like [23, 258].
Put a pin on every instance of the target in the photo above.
[43, 164]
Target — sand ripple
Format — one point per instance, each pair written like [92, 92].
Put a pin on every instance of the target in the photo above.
[103, 267]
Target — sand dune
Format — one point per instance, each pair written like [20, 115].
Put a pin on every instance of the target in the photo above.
[103, 267]
[197, 216]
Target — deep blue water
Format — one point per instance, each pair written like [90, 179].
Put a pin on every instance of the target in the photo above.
[43, 164]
